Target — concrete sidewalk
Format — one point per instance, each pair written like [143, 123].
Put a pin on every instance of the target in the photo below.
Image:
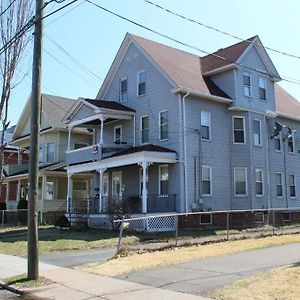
[78, 285]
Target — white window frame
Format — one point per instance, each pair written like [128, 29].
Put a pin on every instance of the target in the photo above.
[279, 137]
[282, 187]
[260, 133]
[264, 87]
[262, 181]
[54, 157]
[160, 125]
[246, 181]
[210, 179]
[209, 125]
[293, 141]
[121, 133]
[294, 175]
[120, 89]
[244, 130]
[159, 175]
[138, 82]
[141, 132]
[250, 89]
[205, 223]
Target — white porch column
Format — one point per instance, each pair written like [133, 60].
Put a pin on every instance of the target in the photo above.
[101, 131]
[144, 166]
[101, 171]
[69, 138]
[7, 191]
[70, 193]
[44, 180]
[19, 191]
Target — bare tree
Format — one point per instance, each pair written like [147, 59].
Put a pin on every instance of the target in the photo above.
[15, 23]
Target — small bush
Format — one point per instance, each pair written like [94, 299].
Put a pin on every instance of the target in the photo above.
[3, 206]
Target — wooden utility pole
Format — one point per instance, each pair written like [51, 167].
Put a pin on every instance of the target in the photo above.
[32, 243]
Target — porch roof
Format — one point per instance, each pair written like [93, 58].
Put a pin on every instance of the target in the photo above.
[134, 155]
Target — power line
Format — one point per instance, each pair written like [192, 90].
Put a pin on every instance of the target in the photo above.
[291, 80]
[7, 8]
[219, 30]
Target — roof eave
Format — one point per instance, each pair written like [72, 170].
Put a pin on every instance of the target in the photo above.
[287, 116]
[202, 95]
[220, 70]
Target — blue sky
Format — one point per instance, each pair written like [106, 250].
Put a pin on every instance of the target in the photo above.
[93, 37]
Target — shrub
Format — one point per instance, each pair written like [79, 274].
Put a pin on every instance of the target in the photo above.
[3, 206]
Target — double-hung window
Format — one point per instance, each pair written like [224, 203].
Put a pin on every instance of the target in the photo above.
[50, 154]
[141, 83]
[292, 182]
[205, 125]
[277, 142]
[240, 181]
[123, 90]
[163, 179]
[257, 132]
[239, 130]
[145, 130]
[206, 181]
[262, 88]
[118, 134]
[279, 188]
[247, 84]
[259, 182]
[291, 143]
[164, 125]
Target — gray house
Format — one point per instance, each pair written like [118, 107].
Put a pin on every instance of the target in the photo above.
[175, 132]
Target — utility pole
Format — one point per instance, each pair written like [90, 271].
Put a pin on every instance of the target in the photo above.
[32, 242]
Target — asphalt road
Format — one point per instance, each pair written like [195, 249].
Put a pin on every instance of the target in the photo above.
[77, 258]
[199, 277]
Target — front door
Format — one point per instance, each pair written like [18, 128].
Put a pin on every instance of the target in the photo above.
[117, 183]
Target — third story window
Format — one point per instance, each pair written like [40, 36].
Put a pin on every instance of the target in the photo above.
[277, 142]
[262, 88]
[238, 130]
[279, 190]
[163, 122]
[206, 180]
[205, 125]
[291, 143]
[292, 185]
[258, 182]
[145, 129]
[141, 88]
[240, 183]
[247, 84]
[50, 155]
[123, 90]
[257, 132]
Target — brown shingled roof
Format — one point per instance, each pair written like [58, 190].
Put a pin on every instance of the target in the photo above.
[109, 105]
[286, 103]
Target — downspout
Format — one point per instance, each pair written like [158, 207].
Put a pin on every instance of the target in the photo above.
[268, 161]
[185, 151]
[134, 122]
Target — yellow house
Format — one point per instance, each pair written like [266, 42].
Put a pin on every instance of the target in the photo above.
[52, 156]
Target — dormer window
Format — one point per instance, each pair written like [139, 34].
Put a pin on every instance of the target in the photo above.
[141, 83]
[247, 84]
[262, 88]
[123, 90]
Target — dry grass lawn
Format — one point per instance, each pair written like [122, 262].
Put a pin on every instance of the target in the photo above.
[279, 284]
[136, 261]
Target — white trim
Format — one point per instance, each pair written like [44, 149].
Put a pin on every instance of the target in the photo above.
[246, 181]
[141, 129]
[260, 133]
[262, 181]
[220, 70]
[159, 124]
[121, 133]
[294, 175]
[282, 186]
[209, 125]
[244, 129]
[159, 174]
[138, 82]
[210, 179]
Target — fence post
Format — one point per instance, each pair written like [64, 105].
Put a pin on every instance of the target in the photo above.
[227, 225]
[120, 236]
[88, 205]
[273, 221]
[3, 218]
[176, 231]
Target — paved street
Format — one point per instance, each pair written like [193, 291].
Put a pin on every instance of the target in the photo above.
[199, 277]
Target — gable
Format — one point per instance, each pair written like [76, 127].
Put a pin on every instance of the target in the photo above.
[253, 60]
[83, 111]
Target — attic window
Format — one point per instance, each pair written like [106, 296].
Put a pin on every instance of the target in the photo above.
[141, 83]
[123, 90]
[262, 88]
[247, 84]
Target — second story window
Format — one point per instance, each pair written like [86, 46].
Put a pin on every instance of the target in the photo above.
[292, 183]
[257, 132]
[50, 155]
[123, 90]
[141, 83]
[118, 134]
[277, 142]
[262, 88]
[205, 125]
[145, 130]
[163, 124]
[247, 84]
[238, 130]
[279, 189]
[206, 180]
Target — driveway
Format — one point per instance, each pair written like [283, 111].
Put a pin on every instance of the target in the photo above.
[199, 277]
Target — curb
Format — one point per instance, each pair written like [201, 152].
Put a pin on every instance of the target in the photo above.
[10, 288]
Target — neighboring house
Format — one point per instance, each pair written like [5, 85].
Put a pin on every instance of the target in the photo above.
[52, 156]
[175, 132]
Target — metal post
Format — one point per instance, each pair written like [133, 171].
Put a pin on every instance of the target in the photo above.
[176, 231]
[32, 243]
[120, 236]
[227, 225]
[273, 221]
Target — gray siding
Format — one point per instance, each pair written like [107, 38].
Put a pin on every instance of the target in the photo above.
[226, 81]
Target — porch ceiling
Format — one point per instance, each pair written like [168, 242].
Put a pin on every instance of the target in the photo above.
[134, 155]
